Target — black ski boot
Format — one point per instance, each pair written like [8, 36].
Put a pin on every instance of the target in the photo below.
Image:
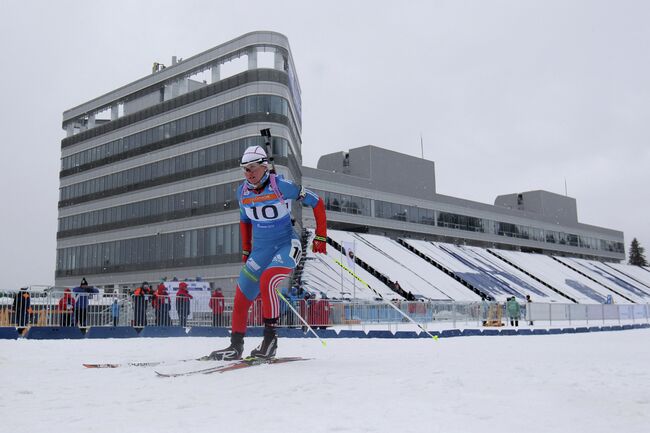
[232, 352]
[269, 345]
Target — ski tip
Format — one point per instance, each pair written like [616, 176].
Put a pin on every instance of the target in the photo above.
[101, 365]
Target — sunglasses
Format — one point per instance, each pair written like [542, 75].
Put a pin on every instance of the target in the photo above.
[250, 168]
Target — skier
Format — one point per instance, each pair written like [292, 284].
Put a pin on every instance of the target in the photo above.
[265, 216]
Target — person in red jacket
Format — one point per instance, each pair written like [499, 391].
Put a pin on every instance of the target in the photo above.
[217, 305]
[183, 303]
[162, 304]
[66, 308]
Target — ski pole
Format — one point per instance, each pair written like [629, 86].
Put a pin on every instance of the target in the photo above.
[300, 317]
[435, 337]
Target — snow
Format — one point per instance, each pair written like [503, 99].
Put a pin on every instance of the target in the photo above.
[593, 383]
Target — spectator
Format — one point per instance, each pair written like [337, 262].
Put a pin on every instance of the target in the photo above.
[485, 307]
[22, 308]
[82, 293]
[115, 312]
[217, 306]
[513, 309]
[307, 309]
[66, 308]
[528, 315]
[140, 298]
[162, 304]
[322, 312]
[183, 303]
[294, 300]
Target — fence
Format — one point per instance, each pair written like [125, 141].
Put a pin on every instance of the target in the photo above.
[56, 308]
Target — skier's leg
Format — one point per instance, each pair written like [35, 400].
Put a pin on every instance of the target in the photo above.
[284, 261]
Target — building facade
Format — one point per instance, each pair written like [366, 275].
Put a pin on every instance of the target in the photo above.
[149, 174]
[149, 171]
[360, 197]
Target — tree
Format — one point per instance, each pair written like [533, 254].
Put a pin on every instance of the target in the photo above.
[636, 254]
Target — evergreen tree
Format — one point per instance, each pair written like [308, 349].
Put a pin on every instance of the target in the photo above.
[636, 254]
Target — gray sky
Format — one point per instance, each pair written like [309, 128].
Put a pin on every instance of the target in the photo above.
[509, 96]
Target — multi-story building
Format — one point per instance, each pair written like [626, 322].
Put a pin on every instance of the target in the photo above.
[149, 174]
[149, 171]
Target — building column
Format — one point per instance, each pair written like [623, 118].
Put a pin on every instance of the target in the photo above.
[115, 111]
[183, 86]
[216, 73]
[278, 60]
[252, 59]
[91, 121]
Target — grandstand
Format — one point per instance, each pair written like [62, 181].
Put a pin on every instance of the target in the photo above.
[439, 272]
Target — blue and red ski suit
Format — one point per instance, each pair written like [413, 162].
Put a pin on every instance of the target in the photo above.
[271, 247]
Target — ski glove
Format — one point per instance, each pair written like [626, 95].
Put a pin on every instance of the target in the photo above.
[319, 245]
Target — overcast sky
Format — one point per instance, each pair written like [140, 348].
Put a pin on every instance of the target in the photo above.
[509, 96]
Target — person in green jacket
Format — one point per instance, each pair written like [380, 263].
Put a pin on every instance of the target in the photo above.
[514, 310]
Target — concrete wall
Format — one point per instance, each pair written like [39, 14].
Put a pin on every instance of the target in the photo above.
[386, 170]
[559, 208]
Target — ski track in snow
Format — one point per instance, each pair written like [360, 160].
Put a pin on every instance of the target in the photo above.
[596, 382]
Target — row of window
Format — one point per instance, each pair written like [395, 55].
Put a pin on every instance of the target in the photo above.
[226, 154]
[213, 89]
[469, 223]
[165, 250]
[215, 198]
[213, 116]
[345, 203]
[206, 199]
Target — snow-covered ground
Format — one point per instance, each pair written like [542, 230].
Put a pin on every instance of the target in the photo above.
[596, 382]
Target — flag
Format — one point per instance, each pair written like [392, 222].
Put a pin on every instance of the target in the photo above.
[348, 251]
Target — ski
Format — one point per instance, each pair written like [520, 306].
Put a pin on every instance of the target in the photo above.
[137, 363]
[236, 365]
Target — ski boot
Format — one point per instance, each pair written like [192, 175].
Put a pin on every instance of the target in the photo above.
[269, 345]
[232, 352]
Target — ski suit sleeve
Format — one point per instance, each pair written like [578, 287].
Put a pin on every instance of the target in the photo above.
[245, 229]
[320, 239]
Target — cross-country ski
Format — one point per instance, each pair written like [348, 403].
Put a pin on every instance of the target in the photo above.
[236, 365]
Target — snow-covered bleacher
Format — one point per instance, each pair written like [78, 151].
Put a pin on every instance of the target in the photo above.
[446, 272]
[323, 275]
[560, 277]
[413, 273]
[606, 276]
[638, 273]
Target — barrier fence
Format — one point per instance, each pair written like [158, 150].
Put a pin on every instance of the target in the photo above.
[57, 308]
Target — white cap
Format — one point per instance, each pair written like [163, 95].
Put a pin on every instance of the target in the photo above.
[254, 154]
